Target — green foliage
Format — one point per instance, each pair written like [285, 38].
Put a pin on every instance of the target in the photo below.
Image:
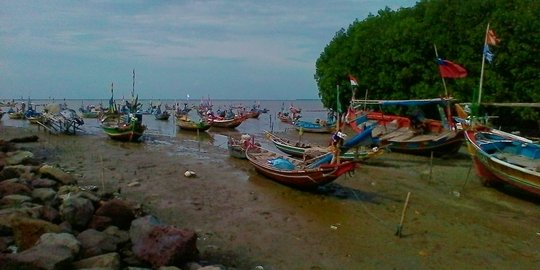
[392, 53]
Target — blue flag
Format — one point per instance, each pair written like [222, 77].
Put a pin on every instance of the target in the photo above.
[488, 54]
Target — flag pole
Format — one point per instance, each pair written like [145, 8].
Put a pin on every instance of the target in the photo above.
[442, 78]
[476, 107]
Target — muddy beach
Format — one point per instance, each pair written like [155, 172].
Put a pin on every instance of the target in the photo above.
[245, 221]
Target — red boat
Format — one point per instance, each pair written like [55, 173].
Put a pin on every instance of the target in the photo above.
[293, 172]
[226, 123]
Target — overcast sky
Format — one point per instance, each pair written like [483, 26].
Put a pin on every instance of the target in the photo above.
[235, 49]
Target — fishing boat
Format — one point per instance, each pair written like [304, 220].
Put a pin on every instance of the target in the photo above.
[219, 122]
[503, 157]
[293, 172]
[161, 115]
[306, 150]
[128, 128]
[304, 173]
[237, 146]
[413, 132]
[320, 126]
[58, 119]
[184, 122]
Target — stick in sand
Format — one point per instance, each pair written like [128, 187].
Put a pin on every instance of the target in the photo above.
[400, 226]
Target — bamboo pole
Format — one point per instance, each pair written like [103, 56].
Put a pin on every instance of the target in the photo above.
[400, 226]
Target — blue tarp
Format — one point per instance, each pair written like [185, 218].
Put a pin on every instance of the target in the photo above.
[281, 163]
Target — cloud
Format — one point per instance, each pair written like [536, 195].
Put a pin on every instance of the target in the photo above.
[280, 37]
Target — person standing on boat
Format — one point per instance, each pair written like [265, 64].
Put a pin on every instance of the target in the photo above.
[337, 142]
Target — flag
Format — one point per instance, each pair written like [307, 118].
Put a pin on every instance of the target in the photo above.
[449, 69]
[491, 38]
[354, 81]
[488, 54]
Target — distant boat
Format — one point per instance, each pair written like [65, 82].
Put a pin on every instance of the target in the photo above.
[124, 127]
[128, 128]
[184, 122]
[503, 157]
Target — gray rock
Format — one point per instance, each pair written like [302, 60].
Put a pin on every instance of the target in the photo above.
[14, 200]
[61, 239]
[57, 174]
[47, 257]
[95, 243]
[17, 157]
[44, 195]
[77, 211]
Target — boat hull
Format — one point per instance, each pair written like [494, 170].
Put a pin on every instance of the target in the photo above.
[302, 178]
[495, 165]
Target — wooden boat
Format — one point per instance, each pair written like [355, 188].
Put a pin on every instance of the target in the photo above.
[415, 134]
[162, 115]
[237, 146]
[59, 119]
[293, 172]
[186, 123]
[314, 127]
[128, 128]
[303, 174]
[304, 150]
[16, 115]
[226, 123]
[503, 157]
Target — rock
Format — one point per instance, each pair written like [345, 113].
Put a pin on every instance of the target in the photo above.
[121, 237]
[49, 214]
[27, 231]
[17, 157]
[46, 196]
[10, 188]
[43, 183]
[57, 174]
[120, 212]
[32, 138]
[5, 242]
[95, 243]
[110, 261]
[77, 211]
[39, 257]
[160, 244]
[99, 222]
[14, 200]
[61, 239]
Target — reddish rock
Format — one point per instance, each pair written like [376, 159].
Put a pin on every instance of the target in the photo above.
[160, 244]
[27, 231]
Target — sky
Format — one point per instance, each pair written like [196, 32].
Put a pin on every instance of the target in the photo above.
[222, 49]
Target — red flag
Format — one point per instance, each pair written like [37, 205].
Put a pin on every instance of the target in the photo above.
[491, 38]
[353, 79]
[451, 70]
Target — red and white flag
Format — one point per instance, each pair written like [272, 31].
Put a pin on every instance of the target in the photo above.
[354, 81]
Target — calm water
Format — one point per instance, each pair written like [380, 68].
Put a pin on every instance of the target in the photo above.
[158, 129]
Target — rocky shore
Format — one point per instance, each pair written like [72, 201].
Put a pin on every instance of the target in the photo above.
[48, 221]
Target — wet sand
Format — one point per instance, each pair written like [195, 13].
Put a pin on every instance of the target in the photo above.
[245, 220]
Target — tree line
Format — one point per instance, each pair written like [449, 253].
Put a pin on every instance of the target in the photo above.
[392, 54]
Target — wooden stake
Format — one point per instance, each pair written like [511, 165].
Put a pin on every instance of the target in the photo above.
[400, 226]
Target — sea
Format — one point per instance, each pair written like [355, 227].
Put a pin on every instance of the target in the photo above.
[311, 109]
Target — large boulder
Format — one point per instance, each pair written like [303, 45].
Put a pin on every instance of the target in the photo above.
[17, 157]
[160, 244]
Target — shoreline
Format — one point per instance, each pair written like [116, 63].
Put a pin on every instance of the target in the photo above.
[245, 220]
